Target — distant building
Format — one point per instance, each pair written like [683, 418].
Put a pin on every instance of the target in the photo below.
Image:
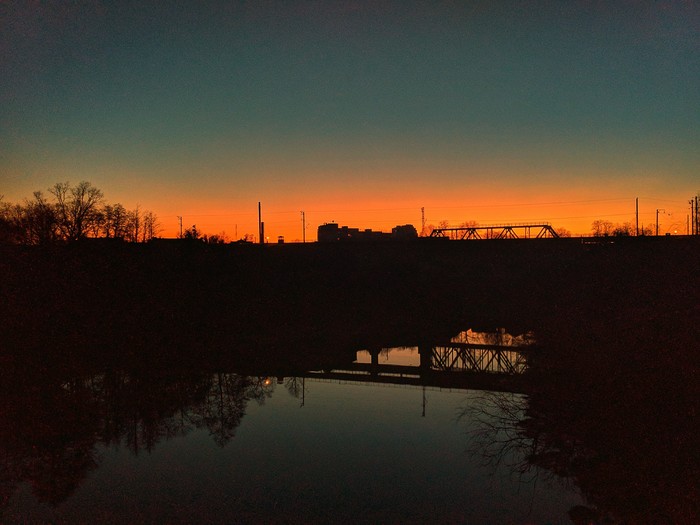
[405, 232]
[332, 232]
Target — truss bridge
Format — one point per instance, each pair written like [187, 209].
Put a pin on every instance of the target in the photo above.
[492, 359]
[449, 365]
[497, 231]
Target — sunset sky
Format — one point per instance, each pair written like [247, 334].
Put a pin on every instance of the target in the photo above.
[356, 112]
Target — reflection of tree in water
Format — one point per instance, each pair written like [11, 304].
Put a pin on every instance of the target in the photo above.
[295, 386]
[498, 436]
[143, 409]
[55, 474]
[51, 429]
[627, 440]
[225, 403]
[611, 413]
[499, 338]
[47, 437]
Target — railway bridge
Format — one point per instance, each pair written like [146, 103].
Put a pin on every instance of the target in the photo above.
[447, 365]
[498, 231]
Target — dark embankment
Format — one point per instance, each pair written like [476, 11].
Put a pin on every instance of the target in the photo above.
[91, 333]
[613, 390]
[168, 297]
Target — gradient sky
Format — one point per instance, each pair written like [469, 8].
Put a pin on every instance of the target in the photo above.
[356, 112]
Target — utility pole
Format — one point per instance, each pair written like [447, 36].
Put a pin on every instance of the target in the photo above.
[657, 219]
[179, 218]
[422, 221]
[303, 226]
[693, 218]
[636, 216]
[691, 230]
[261, 227]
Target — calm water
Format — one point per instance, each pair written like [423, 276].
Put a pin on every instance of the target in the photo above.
[225, 448]
[482, 428]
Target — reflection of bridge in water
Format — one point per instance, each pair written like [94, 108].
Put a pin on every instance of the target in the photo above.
[450, 365]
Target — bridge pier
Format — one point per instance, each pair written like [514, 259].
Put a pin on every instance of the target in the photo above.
[374, 353]
[425, 352]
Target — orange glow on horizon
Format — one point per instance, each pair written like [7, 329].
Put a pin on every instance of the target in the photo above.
[381, 197]
[576, 216]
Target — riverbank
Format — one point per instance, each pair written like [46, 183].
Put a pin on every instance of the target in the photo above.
[161, 296]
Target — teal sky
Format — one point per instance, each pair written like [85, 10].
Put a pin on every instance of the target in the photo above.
[210, 107]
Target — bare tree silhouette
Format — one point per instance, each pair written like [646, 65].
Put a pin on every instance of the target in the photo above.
[76, 208]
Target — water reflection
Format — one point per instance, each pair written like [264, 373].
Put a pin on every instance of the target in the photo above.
[618, 424]
[618, 418]
[55, 420]
[609, 410]
[51, 429]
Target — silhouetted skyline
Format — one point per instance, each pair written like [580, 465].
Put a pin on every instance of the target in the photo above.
[356, 112]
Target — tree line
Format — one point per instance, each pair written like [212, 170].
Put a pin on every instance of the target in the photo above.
[72, 213]
[603, 228]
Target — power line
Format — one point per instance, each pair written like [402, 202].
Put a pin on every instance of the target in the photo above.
[521, 204]
[598, 215]
[413, 208]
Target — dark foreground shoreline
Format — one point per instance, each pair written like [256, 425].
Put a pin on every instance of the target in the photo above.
[172, 294]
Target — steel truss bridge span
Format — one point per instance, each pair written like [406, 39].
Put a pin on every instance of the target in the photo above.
[498, 231]
[466, 357]
[449, 365]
